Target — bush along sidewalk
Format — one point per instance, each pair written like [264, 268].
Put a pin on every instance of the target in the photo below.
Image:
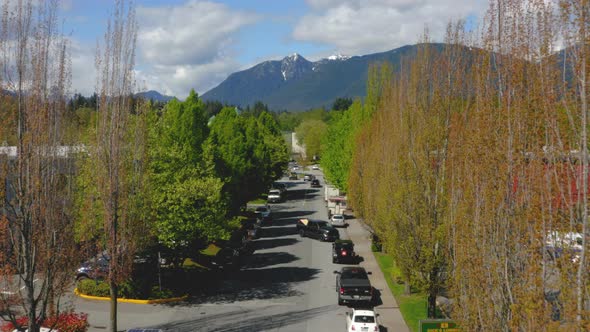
[64, 322]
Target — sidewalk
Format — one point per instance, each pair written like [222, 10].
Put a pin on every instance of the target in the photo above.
[389, 314]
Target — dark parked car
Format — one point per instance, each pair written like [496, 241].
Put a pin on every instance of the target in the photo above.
[343, 251]
[315, 183]
[353, 285]
[95, 268]
[317, 229]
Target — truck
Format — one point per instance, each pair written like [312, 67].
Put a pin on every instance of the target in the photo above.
[330, 191]
[337, 205]
[353, 285]
[317, 229]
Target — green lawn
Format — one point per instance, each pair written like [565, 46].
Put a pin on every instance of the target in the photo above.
[412, 307]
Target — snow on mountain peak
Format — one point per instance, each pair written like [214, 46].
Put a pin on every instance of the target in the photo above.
[338, 57]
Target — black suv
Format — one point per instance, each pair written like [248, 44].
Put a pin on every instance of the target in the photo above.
[343, 251]
[315, 183]
[317, 229]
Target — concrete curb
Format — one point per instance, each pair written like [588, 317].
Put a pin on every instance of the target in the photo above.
[155, 301]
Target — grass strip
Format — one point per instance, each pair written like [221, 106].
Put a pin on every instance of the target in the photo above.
[413, 306]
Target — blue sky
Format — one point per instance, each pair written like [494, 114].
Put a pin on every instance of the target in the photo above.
[184, 44]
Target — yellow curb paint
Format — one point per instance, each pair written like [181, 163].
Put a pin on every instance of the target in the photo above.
[155, 301]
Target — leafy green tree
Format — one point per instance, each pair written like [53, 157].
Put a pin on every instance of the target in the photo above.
[310, 133]
[341, 104]
[247, 152]
[187, 196]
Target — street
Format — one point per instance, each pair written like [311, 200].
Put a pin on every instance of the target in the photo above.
[286, 285]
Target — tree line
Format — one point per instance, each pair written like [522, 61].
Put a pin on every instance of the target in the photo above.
[473, 159]
[111, 172]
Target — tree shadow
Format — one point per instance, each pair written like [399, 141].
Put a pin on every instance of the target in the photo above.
[260, 260]
[278, 231]
[301, 193]
[255, 284]
[273, 243]
[281, 215]
[242, 320]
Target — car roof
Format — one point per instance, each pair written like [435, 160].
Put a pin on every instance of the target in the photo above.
[343, 242]
[363, 312]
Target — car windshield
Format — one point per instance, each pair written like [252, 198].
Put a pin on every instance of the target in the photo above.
[354, 274]
[323, 224]
[364, 319]
[338, 217]
[261, 209]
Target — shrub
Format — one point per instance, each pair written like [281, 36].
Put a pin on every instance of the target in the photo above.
[94, 288]
[64, 322]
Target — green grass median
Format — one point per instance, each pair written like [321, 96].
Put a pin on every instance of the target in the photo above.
[413, 306]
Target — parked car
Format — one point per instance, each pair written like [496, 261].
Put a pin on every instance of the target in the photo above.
[362, 320]
[95, 268]
[315, 167]
[317, 229]
[274, 196]
[338, 220]
[279, 186]
[263, 214]
[343, 251]
[293, 176]
[315, 183]
[353, 285]
[308, 177]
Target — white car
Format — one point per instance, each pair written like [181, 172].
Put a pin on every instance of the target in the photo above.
[362, 320]
[315, 167]
[338, 220]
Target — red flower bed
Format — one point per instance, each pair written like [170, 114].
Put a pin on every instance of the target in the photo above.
[64, 322]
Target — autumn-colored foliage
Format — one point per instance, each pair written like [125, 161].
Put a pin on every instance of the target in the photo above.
[476, 159]
[64, 322]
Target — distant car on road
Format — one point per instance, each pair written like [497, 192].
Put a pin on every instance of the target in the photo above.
[308, 177]
[353, 285]
[362, 320]
[317, 229]
[338, 220]
[315, 183]
[315, 167]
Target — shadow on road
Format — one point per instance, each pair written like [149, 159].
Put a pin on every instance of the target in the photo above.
[302, 193]
[273, 243]
[279, 231]
[258, 284]
[282, 215]
[242, 320]
[259, 260]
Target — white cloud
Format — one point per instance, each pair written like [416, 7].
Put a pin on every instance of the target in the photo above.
[364, 26]
[187, 46]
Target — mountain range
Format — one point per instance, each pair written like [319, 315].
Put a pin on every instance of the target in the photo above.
[154, 95]
[296, 84]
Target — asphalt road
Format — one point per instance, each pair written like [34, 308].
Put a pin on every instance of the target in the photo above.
[286, 285]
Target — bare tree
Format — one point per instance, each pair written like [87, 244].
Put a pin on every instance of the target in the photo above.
[117, 163]
[36, 226]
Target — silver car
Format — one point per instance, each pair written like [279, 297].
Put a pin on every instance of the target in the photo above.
[338, 220]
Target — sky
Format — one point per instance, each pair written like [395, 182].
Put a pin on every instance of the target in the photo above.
[196, 44]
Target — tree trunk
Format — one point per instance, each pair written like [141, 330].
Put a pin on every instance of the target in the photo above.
[407, 288]
[113, 307]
